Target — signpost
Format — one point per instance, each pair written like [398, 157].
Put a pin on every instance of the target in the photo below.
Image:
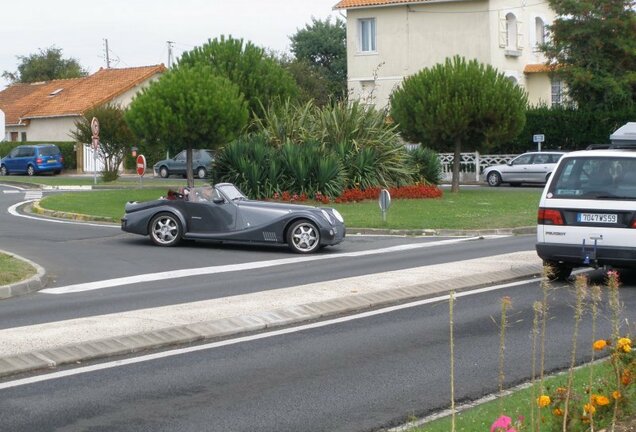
[95, 137]
[385, 202]
[141, 168]
[538, 138]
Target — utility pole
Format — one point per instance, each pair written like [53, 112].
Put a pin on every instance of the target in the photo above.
[107, 56]
[170, 44]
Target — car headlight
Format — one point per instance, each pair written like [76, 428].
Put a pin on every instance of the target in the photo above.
[338, 216]
[327, 216]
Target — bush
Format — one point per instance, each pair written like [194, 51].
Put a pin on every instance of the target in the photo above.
[426, 165]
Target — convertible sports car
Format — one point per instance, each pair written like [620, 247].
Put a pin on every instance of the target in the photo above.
[223, 213]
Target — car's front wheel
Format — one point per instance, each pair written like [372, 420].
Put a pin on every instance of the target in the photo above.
[163, 172]
[202, 172]
[3, 171]
[165, 230]
[494, 178]
[303, 237]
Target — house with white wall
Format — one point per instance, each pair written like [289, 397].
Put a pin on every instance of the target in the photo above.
[47, 111]
[388, 40]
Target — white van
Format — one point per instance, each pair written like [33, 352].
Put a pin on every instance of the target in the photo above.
[587, 212]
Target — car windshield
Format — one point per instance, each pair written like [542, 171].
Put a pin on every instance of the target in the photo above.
[231, 192]
[595, 177]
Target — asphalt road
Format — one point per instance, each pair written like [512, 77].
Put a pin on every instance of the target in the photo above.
[79, 253]
[359, 375]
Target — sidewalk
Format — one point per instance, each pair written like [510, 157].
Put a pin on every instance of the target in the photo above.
[65, 342]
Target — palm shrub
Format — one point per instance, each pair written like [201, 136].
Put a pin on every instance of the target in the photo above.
[426, 165]
[308, 168]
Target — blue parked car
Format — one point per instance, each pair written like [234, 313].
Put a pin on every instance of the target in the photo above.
[32, 159]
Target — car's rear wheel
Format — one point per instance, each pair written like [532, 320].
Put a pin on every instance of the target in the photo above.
[303, 237]
[494, 179]
[57, 172]
[202, 172]
[558, 271]
[3, 171]
[165, 230]
[30, 170]
[163, 172]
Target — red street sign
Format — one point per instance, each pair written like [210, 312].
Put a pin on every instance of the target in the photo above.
[141, 165]
[95, 143]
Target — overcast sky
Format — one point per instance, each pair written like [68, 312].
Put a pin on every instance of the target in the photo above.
[137, 30]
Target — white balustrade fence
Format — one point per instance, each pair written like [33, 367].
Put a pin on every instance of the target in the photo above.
[471, 165]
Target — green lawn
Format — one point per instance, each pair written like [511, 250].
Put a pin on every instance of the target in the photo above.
[469, 209]
[127, 182]
[13, 270]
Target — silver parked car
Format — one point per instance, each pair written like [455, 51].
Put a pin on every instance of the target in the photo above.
[533, 167]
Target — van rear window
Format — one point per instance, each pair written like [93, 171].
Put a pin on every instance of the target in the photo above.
[595, 177]
[49, 151]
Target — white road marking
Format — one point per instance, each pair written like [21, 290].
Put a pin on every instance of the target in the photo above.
[33, 195]
[180, 351]
[13, 211]
[174, 274]
[11, 191]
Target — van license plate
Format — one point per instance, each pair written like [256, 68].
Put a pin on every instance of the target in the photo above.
[597, 218]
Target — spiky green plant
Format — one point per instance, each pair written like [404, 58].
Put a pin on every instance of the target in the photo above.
[426, 165]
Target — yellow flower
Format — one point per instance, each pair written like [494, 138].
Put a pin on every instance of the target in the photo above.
[616, 394]
[588, 409]
[543, 401]
[599, 344]
[624, 344]
[557, 412]
[600, 400]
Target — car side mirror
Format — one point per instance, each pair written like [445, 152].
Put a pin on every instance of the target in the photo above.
[218, 200]
[509, 163]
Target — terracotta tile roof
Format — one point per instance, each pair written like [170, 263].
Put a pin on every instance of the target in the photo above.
[350, 4]
[538, 68]
[25, 101]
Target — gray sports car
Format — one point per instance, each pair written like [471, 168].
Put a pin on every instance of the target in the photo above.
[223, 213]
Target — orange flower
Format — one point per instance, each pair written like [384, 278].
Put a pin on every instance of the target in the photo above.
[600, 400]
[626, 377]
[557, 412]
[543, 401]
[616, 394]
[599, 345]
[588, 409]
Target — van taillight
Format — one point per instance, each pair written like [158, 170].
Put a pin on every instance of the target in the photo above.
[38, 161]
[62, 159]
[633, 224]
[549, 217]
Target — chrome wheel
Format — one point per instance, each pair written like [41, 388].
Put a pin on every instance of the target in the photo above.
[303, 237]
[202, 173]
[494, 179]
[30, 170]
[3, 171]
[163, 172]
[165, 230]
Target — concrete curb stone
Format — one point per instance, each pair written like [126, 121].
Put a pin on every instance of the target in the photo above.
[34, 283]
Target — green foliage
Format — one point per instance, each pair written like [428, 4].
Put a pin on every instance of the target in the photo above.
[260, 170]
[46, 65]
[459, 104]
[66, 148]
[312, 83]
[187, 107]
[114, 135]
[594, 44]
[322, 44]
[259, 77]
[567, 128]
[426, 165]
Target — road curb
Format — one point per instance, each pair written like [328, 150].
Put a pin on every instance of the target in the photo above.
[237, 325]
[34, 283]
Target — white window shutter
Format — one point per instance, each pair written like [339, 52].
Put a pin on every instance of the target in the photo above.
[502, 30]
[519, 35]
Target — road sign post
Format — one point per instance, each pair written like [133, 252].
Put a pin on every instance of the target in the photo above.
[141, 168]
[95, 145]
[538, 138]
[385, 202]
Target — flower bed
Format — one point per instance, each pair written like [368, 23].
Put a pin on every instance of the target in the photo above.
[355, 195]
